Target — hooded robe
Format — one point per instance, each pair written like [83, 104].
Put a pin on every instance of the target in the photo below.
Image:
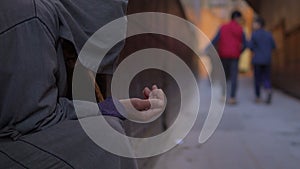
[34, 110]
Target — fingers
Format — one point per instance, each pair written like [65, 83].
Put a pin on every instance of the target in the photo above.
[140, 104]
[154, 87]
[157, 103]
[144, 110]
[135, 109]
[146, 92]
[157, 94]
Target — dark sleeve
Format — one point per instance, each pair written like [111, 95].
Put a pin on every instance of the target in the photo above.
[216, 38]
[244, 41]
[30, 71]
[251, 43]
[213, 44]
[31, 61]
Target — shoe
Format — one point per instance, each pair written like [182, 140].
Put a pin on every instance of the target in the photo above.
[258, 100]
[232, 101]
[269, 98]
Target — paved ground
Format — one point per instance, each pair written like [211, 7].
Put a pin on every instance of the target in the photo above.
[250, 136]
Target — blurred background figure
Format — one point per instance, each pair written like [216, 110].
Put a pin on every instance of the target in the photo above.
[230, 41]
[262, 44]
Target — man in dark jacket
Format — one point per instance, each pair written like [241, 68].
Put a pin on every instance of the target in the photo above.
[230, 41]
[262, 44]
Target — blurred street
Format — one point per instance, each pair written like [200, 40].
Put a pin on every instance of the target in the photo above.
[250, 136]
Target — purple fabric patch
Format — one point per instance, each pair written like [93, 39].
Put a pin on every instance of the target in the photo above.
[108, 108]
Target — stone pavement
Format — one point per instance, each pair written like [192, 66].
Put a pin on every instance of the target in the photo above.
[250, 136]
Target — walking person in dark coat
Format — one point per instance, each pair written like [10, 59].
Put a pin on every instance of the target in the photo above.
[262, 44]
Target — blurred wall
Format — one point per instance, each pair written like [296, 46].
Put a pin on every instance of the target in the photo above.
[149, 77]
[283, 19]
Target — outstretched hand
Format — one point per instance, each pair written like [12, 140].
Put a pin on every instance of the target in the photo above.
[148, 109]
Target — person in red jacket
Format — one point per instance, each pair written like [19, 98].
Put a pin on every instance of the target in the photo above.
[230, 41]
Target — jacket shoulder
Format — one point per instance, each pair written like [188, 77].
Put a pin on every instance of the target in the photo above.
[13, 12]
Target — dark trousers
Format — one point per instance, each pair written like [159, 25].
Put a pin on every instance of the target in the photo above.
[231, 72]
[262, 76]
